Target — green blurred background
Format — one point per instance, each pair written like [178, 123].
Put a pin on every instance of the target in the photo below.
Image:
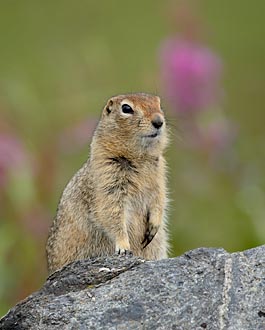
[61, 60]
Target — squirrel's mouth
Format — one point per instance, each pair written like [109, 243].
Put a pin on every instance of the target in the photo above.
[153, 135]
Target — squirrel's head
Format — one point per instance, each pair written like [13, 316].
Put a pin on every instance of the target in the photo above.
[133, 123]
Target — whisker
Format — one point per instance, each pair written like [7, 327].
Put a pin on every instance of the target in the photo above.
[177, 134]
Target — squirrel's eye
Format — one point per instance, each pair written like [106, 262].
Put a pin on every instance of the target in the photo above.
[127, 109]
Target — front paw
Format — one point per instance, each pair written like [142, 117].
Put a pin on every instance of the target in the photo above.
[150, 233]
[122, 247]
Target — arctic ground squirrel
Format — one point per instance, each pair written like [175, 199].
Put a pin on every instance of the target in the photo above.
[117, 201]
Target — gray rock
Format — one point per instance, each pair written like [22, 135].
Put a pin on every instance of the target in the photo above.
[203, 289]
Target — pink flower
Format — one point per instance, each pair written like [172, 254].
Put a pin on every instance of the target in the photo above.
[217, 136]
[36, 220]
[77, 136]
[191, 75]
[12, 156]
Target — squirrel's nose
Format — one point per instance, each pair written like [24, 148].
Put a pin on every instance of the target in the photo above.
[157, 121]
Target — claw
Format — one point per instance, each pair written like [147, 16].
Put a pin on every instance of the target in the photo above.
[149, 235]
[123, 252]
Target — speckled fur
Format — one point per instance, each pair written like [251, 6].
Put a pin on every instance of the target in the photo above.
[117, 200]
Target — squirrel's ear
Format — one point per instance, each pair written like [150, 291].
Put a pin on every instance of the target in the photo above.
[108, 107]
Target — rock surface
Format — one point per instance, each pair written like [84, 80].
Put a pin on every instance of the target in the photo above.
[203, 289]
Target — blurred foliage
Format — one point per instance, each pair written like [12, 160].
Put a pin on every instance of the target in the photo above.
[61, 60]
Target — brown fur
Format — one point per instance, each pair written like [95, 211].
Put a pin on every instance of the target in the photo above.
[117, 200]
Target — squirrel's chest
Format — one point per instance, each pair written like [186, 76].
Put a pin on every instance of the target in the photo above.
[133, 179]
